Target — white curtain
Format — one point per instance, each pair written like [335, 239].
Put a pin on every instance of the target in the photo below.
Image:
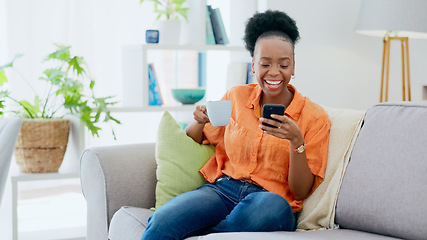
[3, 32]
[95, 29]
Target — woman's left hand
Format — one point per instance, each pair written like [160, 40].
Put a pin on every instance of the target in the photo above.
[300, 177]
[286, 128]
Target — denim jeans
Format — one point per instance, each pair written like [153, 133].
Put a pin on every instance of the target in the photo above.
[228, 205]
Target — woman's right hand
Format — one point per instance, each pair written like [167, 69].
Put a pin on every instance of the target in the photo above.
[200, 114]
[195, 129]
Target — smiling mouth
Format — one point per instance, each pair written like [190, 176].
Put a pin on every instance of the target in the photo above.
[273, 84]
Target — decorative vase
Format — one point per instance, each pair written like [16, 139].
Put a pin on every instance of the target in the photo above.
[169, 32]
[41, 145]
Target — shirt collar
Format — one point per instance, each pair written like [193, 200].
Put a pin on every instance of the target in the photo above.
[253, 100]
[298, 102]
[293, 110]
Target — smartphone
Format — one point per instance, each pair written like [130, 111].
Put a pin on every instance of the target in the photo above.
[269, 109]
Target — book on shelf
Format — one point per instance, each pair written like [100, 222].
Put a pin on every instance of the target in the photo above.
[154, 95]
[210, 38]
[217, 26]
[221, 26]
[249, 78]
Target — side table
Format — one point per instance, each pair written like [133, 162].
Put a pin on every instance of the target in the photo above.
[23, 177]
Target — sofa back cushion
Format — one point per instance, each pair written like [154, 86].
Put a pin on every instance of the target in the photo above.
[319, 207]
[384, 186]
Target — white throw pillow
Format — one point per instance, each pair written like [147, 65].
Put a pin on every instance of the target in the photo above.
[319, 209]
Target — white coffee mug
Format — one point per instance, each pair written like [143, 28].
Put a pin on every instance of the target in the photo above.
[219, 112]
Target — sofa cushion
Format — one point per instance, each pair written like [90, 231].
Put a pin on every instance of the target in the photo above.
[319, 208]
[129, 223]
[337, 234]
[383, 190]
[179, 159]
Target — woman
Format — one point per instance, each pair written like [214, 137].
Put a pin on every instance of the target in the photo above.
[258, 175]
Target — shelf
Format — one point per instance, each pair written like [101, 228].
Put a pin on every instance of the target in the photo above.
[19, 177]
[136, 59]
[200, 48]
[154, 108]
[135, 70]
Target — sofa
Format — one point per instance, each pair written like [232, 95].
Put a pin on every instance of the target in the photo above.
[378, 190]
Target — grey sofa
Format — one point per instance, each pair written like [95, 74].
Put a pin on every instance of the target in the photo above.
[9, 129]
[382, 196]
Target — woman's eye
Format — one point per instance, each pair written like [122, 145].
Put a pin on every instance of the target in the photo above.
[265, 65]
[283, 66]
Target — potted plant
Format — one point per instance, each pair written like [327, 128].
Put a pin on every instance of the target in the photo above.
[43, 137]
[170, 12]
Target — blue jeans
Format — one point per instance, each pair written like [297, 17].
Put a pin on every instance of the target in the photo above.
[228, 205]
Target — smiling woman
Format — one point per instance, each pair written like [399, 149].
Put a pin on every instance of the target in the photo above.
[255, 168]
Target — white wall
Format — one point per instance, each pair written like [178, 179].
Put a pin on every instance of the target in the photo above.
[339, 68]
[95, 29]
[3, 28]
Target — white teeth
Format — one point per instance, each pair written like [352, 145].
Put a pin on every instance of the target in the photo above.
[273, 82]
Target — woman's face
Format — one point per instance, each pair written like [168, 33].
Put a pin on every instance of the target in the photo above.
[274, 64]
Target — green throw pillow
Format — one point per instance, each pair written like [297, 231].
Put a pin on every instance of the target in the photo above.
[179, 159]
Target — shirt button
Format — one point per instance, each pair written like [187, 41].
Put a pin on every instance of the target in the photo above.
[253, 154]
[250, 169]
[259, 135]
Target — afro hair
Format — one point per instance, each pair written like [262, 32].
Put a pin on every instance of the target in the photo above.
[270, 23]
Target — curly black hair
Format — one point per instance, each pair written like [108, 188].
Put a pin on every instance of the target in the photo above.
[267, 24]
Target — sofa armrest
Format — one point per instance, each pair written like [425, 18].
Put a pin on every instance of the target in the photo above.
[116, 176]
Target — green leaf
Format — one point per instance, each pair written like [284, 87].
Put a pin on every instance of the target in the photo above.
[31, 110]
[3, 78]
[159, 11]
[86, 118]
[2, 107]
[179, 2]
[71, 91]
[92, 84]
[4, 94]
[54, 75]
[113, 119]
[62, 54]
[75, 62]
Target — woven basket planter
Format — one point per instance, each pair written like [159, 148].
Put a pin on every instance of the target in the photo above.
[41, 145]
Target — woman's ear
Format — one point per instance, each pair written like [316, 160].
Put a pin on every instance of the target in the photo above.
[293, 68]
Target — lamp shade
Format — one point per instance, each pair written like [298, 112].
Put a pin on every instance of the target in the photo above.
[401, 18]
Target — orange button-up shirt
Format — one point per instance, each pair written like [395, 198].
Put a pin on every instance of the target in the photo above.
[244, 151]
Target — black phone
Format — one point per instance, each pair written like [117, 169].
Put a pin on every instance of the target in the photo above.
[269, 109]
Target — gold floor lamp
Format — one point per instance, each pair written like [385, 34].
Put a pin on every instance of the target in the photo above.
[393, 20]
